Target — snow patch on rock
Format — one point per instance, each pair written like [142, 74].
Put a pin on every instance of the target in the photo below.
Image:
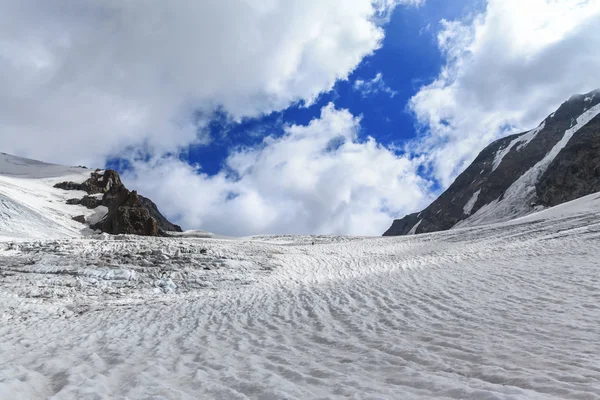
[523, 140]
[471, 203]
[413, 230]
[517, 200]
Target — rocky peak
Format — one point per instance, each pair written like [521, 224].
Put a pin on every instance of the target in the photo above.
[128, 213]
[558, 161]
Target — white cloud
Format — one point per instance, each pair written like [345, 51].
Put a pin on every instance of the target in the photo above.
[375, 85]
[83, 79]
[317, 178]
[511, 65]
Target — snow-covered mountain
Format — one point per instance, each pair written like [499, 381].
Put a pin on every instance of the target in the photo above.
[41, 200]
[556, 162]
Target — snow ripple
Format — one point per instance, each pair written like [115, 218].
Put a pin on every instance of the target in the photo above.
[507, 311]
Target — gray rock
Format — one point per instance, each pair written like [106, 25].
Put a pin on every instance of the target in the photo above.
[79, 218]
[128, 213]
[573, 173]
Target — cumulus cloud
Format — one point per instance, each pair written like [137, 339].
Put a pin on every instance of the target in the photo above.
[375, 85]
[317, 178]
[84, 79]
[506, 70]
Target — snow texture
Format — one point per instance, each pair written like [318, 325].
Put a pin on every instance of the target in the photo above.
[504, 311]
[31, 208]
[517, 200]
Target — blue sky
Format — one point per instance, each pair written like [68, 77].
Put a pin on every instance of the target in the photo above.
[408, 59]
[250, 117]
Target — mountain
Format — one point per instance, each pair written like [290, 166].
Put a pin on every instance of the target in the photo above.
[41, 200]
[556, 162]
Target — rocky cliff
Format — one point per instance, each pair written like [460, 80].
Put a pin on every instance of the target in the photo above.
[556, 162]
[127, 212]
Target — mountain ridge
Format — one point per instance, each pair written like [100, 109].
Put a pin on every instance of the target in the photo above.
[555, 162]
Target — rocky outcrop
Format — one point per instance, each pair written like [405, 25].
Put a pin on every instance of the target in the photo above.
[575, 172]
[87, 201]
[99, 182]
[79, 218]
[163, 223]
[128, 213]
[517, 174]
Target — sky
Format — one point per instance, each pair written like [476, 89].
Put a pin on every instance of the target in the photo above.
[246, 117]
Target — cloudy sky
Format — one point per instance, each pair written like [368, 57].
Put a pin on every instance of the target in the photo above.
[286, 116]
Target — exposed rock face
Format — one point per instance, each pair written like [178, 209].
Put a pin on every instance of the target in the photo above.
[576, 170]
[163, 223]
[517, 174]
[87, 201]
[79, 218]
[99, 182]
[128, 213]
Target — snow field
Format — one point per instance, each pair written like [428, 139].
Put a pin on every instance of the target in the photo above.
[505, 311]
[30, 207]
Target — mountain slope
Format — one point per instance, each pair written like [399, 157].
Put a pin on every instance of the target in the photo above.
[558, 161]
[41, 200]
[29, 205]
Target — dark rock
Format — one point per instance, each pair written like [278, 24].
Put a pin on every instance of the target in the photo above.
[572, 174]
[90, 202]
[575, 171]
[163, 223]
[128, 213]
[69, 186]
[102, 182]
[99, 182]
[79, 218]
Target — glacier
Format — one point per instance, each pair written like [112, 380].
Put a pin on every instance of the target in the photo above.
[499, 311]
[503, 311]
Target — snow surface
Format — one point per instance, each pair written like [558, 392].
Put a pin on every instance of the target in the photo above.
[30, 207]
[518, 197]
[522, 140]
[471, 203]
[504, 311]
[192, 233]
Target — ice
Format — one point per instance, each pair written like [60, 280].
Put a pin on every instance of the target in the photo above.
[503, 311]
